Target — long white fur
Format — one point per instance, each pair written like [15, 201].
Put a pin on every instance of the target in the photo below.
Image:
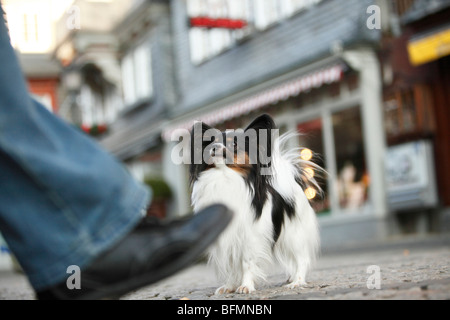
[244, 250]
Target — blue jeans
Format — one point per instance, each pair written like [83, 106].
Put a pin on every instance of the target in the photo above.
[63, 200]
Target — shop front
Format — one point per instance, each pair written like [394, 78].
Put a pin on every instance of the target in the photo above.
[342, 124]
[415, 103]
[335, 106]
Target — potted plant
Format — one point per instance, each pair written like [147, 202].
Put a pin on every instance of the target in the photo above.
[162, 193]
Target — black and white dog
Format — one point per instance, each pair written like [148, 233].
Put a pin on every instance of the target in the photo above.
[273, 218]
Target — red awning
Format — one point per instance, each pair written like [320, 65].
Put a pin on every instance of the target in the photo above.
[270, 96]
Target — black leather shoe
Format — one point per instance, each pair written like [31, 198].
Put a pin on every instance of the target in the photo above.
[151, 252]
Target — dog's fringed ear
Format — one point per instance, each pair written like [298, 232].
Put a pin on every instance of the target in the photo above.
[197, 138]
[200, 131]
[263, 126]
[262, 122]
[199, 127]
[197, 144]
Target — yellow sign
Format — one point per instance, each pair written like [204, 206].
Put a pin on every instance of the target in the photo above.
[429, 48]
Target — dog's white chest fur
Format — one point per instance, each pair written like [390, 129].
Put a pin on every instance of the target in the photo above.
[238, 253]
[221, 185]
[246, 247]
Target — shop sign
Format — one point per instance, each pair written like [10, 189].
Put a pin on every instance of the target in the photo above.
[429, 48]
[410, 175]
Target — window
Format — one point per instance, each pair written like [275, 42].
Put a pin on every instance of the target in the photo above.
[266, 13]
[143, 72]
[299, 5]
[402, 6]
[87, 104]
[352, 176]
[97, 110]
[206, 43]
[312, 138]
[137, 74]
[408, 112]
[128, 79]
[30, 28]
[98, 101]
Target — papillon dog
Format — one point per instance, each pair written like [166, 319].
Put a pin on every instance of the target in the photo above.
[252, 172]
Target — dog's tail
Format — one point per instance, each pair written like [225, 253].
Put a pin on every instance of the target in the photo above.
[296, 162]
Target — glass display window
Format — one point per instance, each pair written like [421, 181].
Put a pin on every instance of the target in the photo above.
[337, 145]
[311, 142]
[352, 177]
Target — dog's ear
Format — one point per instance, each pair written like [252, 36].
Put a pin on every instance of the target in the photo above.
[263, 126]
[262, 122]
[198, 132]
[199, 127]
[197, 145]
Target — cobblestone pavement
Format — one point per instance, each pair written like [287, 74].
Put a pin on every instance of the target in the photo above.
[407, 270]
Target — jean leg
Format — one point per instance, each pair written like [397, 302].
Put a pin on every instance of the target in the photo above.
[63, 200]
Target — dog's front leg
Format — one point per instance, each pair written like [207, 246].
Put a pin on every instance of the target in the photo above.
[248, 280]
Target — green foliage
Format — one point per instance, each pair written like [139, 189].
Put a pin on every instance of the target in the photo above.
[161, 190]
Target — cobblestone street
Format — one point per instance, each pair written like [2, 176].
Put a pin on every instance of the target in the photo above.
[409, 269]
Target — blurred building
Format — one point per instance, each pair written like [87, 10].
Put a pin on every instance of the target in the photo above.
[117, 78]
[364, 81]
[415, 60]
[30, 25]
[320, 67]
[313, 66]
[87, 48]
[148, 86]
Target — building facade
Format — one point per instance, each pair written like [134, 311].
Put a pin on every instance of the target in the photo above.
[313, 66]
[319, 68]
[30, 25]
[339, 72]
[415, 64]
[117, 80]
[90, 80]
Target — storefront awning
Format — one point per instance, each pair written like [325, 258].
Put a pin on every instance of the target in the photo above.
[269, 96]
[430, 46]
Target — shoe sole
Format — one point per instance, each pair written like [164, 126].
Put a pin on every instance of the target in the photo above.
[119, 289]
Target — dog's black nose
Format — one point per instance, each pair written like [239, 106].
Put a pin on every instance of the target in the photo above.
[218, 150]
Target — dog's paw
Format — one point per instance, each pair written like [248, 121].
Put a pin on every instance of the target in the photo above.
[245, 289]
[299, 283]
[223, 290]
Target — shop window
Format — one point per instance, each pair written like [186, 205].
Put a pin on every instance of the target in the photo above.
[311, 138]
[352, 176]
[408, 114]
